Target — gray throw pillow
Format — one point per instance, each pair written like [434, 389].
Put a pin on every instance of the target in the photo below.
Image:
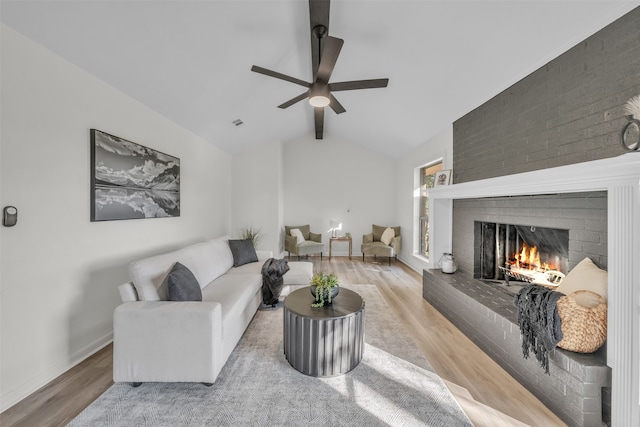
[243, 252]
[182, 285]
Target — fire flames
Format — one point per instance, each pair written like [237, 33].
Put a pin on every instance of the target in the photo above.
[529, 258]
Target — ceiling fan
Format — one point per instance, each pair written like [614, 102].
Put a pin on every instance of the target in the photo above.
[324, 54]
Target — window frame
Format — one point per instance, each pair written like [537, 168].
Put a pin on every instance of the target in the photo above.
[421, 207]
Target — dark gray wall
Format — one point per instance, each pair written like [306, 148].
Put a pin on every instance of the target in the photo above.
[583, 214]
[568, 111]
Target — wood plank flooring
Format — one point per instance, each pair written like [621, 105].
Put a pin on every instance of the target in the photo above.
[487, 393]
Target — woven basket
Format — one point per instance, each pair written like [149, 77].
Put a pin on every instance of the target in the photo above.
[584, 321]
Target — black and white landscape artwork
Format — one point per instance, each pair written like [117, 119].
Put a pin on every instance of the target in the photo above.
[130, 181]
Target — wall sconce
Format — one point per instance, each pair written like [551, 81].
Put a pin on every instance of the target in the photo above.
[335, 225]
[630, 136]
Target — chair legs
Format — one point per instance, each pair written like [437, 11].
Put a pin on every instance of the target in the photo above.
[307, 256]
[375, 257]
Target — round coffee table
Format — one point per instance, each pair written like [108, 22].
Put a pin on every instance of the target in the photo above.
[324, 341]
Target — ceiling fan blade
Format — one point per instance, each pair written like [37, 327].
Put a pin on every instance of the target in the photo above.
[280, 76]
[358, 84]
[318, 17]
[330, 54]
[292, 101]
[318, 114]
[335, 105]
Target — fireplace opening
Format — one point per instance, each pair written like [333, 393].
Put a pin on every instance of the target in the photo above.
[521, 253]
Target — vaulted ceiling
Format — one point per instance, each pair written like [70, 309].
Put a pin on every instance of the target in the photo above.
[190, 60]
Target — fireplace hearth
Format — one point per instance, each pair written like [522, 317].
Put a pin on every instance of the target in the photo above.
[577, 389]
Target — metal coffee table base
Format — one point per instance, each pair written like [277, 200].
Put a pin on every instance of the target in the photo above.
[329, 344]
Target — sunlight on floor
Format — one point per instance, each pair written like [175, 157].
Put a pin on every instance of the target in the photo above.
[395, 385]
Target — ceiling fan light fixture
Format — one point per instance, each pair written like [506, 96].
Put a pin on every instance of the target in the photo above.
[319, 94]
[319, 101]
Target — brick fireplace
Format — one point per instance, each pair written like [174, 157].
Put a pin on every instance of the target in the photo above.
[583, 215]
[599, 203]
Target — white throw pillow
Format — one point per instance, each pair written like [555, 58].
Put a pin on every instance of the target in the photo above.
[585, 276]
[388, 236]
[295, 232]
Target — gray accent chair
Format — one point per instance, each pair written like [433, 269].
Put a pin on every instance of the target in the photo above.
[371, 244]
[312, 242]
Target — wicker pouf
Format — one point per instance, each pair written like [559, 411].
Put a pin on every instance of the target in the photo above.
[584, 321]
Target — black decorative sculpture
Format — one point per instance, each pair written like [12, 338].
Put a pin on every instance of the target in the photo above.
[273, 271]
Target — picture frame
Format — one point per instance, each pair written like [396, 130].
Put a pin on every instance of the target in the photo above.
[131, 181]
[443, 177]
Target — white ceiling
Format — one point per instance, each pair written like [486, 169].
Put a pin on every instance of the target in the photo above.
[191, 60]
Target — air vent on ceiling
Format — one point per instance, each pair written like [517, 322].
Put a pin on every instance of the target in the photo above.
[237, 122]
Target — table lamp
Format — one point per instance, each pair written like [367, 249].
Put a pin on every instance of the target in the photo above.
[335, 225]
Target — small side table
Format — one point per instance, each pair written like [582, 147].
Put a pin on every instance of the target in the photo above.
[340, 239]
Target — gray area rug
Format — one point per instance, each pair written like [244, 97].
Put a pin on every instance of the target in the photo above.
[394, 385]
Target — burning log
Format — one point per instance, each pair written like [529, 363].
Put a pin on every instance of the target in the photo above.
[549, 278]
[525, 266]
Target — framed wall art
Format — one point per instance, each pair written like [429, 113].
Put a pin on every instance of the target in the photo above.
[443, 177]
[131, 181]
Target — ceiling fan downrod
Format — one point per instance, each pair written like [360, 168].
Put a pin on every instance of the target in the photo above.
[320, 31]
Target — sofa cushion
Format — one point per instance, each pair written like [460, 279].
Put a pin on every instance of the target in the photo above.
[148, 275]
[585, 276]
[232, 291]
[299, 273]
[239, 296]
[182, 285]
[220, 253]
[243, 252]
[387, 236]
[206, 260]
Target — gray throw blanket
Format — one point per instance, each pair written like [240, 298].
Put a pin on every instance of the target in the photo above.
[539, 321]
[273, 271]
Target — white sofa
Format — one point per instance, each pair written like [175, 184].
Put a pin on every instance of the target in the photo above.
[155, 340]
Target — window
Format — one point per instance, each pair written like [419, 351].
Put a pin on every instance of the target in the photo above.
[427, 178]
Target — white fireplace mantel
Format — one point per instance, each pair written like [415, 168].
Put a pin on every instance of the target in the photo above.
[620, 177]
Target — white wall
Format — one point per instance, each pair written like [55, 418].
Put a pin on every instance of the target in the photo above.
[257, 196]
[59, 272]
[438, 147]
[336, 179]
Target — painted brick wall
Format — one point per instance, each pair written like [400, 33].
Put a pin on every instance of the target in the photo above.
[568, 111]
[583, 214]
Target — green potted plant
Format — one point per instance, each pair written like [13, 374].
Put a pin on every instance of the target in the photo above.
[324, 287]
[252, 233]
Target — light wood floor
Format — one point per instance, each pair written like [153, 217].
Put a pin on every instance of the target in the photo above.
[488, 394]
